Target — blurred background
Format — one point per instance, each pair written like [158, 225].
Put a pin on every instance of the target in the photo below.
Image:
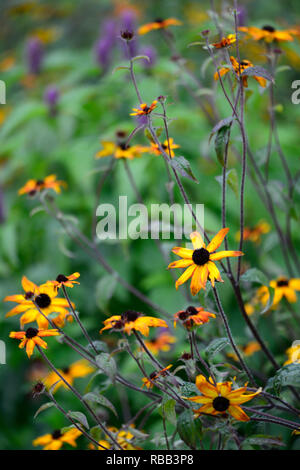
[62, 99]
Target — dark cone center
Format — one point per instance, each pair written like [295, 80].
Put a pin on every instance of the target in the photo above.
[191, 310]
[269, 28]
[61, 278]
[56, 434]
[31, 333]
[200, 256]
[283, 283]
[43, 300]
[130, 315]
[221, 404]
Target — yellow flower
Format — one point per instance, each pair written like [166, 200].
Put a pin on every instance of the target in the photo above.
[200, 261]
[254, 233]
[46, 35]
[144, 109]
[32, 337]
[121, 150]
[293, 354]
[268, 33]
[131, 320]
[239, 68]
[158, 24]
[221, 398]
[123, 436]
[193, 316]
[248, 350]
[161, 343]
[35, 186]
[56, 440]
[225, 42]
[153, 376]
[166, 145]
[80, 368]
[44, 297]
[285, 287]
[63, 280]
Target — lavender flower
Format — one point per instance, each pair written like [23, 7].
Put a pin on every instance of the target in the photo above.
[51, 98]
[242, 15]
[150, 52]
[105, 44]
[128, 23]
[35, 55]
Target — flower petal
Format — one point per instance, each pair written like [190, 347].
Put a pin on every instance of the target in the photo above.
[217, 240]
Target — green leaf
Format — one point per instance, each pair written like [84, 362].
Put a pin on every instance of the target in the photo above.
[223, 123]
[44, 407]
[221, 141]
[168, 410]
[287, 375]
[141, 57]
[216, 346]
[256, 276]
[183, 167]
[231, 178]
[78, 416]
[120, 67]
[100, 346]
[101, 400]
[188, 389]
[262, 440]
[105, 289]
[189, 429]
[257, 71]
[107, 364]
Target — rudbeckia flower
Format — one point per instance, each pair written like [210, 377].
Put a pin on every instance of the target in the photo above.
[225, 42]
[45, 298]
[32, 337]
[67, 281]
[35, 186]
[153, 376]
[77, 369]
[285, 288]
[248, 350]
[131, 320]
[123, 436]
[221, 398]
[293, 354]
[121, 150]
[158, 24]
[56, 440]
[193, 316]
[200, 261]
[144, 109]
[239, 68]
[268, 33]
[163, 343]
[254, 233]
[166, 145]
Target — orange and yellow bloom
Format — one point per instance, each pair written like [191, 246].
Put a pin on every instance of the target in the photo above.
[268, 34]
[119, 150]
[168, 146]
[200, 261]
[158, 24]
[37, 299]
[193, 316]
[285, 288]
[163, 343]
[153, 376]
[225, 42]
[144, 109]
[78, 369]
[35, 186]
[132, 320]
[239, 68]
[57, 439]
[32, 337]
[123, 436]
[254, 234]
[67, 281]
[220, 398]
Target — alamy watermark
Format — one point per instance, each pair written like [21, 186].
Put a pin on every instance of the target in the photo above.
[138, 221]
[2, 352]
[296, 94]
[2, 92]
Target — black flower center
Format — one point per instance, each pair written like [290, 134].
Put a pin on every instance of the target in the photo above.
[186, 356]
[221, 404]
[123, 146]
[31, 333]
[127, 35]
[159, 20]
[28, 295]
[118, 325]
[61, 278]
[191, 310]
[66, 370]
[153, 375]
[56, 434]
[269, 28]
[200, 256]
[183, 315]
[43, 300]
[283, 283]
[39, 182]
[130, 315]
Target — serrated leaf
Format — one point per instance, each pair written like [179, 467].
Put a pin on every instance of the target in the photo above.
[257, 71]
[216, 346]
[189, 429]
[255, 275]
[42, 408]
[107, 364]
[100, 400]
[80, 417]
[183, 167]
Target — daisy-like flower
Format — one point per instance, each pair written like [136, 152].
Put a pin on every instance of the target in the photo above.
[132, 320]
[168, 147]
[163, 343]
[57, 439]
[159, 23]
[225, 42]
[32, 337]
[193, 316]
[221, 398]
[285, 288]
[153, 376]
[254, 234]
[44, 297]
[35, 186]
[78, 369]
[200, 261]
[293, 354]
[67, 281]
[144, 109]
[123, 436]
[248, 350]
[120, 150]
[239, 68]
[268, 33]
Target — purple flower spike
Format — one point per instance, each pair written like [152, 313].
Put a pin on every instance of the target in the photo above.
[105, 44]
[35, 54]
[242, 15]
[51, 98]
[150, 52]
[128, 23]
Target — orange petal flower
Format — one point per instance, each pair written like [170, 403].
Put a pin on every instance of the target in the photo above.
[239, 68]
[268, 33]
[67, 281]
[193, 316]
[35, 186]
[159, 24]
[148, 382]
[32, 337]
[144, 109]
[131, 320]
[225, 42]
[56, 440]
